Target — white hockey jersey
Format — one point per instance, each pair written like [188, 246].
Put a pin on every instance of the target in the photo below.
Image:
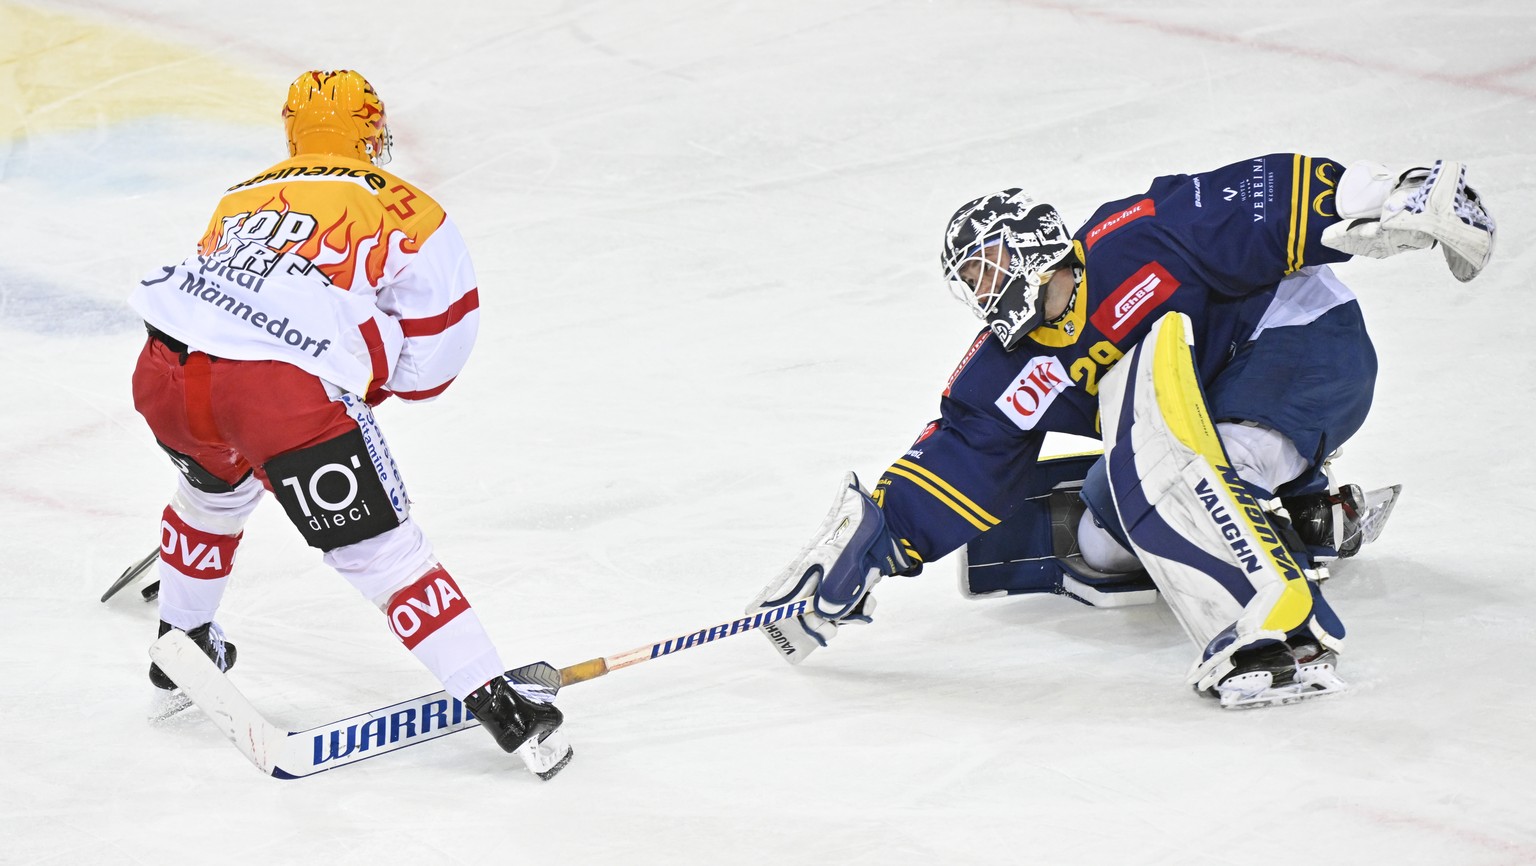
[332, 265]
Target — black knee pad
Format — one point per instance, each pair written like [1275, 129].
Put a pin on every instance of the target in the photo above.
[333, 493]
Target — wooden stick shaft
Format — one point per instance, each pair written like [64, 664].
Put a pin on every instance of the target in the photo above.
[591, 669]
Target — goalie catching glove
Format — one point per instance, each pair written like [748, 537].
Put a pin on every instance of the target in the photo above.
[1383, 214]
[847, 556]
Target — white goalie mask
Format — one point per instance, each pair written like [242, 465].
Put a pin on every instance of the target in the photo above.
[999, 251]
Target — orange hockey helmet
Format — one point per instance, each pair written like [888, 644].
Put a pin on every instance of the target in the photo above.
[338, 113]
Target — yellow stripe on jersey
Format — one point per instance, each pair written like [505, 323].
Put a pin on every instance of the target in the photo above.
[1290, 240]
[1303, 204]
[1301, 198]
[945, 493]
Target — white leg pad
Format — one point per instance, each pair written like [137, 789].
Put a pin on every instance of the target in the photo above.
[1208, 544]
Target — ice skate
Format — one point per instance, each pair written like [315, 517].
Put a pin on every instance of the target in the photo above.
[169, 701]
[527, 728]
[210, 639]
[1336, 524]
[1278, 673]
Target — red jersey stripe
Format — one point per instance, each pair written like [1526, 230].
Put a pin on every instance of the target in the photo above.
[423, 395]
[376, 354]
[429, 326]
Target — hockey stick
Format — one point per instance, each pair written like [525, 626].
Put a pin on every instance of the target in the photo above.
[295, 754]
[131, 573]
[591, 669]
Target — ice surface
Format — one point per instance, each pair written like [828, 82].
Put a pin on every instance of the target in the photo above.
[707, 235]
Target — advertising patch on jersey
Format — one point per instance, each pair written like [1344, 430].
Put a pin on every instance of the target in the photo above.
[970, 353]
[1127, 305]
[1144, 208]
[1033, 391]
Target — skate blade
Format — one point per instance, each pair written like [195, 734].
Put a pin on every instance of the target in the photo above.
[1253, 690]
[548, 756]
[1374, 511]
[167, 705]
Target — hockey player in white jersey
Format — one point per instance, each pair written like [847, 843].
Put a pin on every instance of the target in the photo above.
[322, 286]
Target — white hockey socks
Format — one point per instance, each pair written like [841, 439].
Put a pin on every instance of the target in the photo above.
[199, 533]
[434, 620]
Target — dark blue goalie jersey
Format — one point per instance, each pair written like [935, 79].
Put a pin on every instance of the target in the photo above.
[1212, 245]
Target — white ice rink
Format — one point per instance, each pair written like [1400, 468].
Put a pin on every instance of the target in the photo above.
[707, 238]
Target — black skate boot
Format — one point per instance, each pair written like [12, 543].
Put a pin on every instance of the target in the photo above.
[1279, 673]
[527, 728]
[1274, 664]
[210, 639]
[1334, 525]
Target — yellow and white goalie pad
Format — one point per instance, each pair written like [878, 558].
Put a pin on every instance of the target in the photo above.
[1208, 544]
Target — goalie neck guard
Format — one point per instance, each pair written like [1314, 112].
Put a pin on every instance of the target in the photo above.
[337, 113]
[999, 251]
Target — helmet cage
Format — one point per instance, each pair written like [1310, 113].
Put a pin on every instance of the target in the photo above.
[999, 252]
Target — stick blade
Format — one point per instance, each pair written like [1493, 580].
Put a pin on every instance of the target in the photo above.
[229, 710]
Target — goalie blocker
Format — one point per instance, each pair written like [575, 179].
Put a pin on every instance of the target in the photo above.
[849, 553]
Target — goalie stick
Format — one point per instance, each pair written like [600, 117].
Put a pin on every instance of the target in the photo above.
[289, 754]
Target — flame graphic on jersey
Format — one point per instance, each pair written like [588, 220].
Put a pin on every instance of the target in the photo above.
[214, 241]
[339, 249]
[210, 241]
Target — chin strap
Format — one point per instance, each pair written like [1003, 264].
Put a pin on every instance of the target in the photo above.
[1077, 289]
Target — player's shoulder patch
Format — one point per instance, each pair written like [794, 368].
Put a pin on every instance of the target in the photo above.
[418, 212]
[1130, 303]
[1119, 219]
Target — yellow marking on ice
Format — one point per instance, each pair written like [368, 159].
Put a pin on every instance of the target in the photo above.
[61, 73]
